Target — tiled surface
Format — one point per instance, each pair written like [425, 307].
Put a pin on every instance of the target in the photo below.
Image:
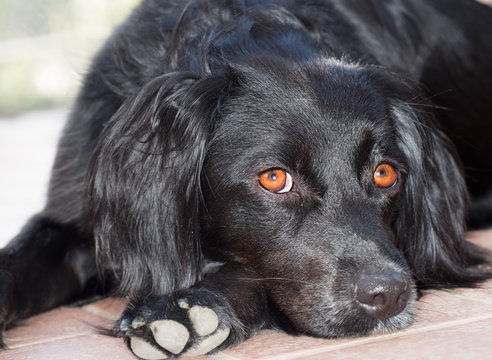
[59, 324]
[453, 324]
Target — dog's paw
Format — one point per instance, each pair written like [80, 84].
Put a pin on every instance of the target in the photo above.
[189, 324]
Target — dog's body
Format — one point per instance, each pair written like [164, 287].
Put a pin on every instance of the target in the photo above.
[282, 164]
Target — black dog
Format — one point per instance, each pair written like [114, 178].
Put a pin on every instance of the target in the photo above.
[235, 165]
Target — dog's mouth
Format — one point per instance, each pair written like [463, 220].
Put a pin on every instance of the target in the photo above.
[397, 322]
[375, 302]
[353, 322]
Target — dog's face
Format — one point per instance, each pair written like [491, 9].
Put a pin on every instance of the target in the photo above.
[303, 177]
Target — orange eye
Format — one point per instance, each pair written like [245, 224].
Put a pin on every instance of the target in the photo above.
[385, 176]
[276, 180]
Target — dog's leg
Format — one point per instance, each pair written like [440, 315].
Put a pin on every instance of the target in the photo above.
[45, 265]
[221, 310]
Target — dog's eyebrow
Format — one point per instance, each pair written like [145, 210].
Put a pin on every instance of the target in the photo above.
[364, 149]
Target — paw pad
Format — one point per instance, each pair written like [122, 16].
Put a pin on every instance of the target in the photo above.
[171, 337]
[144, 350]
[204, 320]
[209, 343]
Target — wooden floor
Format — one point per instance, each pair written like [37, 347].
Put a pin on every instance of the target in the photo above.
[450, 325]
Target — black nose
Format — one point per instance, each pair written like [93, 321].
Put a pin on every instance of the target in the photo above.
[382, 294]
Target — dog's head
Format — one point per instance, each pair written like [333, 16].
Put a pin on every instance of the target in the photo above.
[324, 178]
[303, 178]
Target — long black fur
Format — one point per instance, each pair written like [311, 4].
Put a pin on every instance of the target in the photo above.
[156, 179]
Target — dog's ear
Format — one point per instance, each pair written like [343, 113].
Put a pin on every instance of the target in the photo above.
[430, 225]
[144, 183]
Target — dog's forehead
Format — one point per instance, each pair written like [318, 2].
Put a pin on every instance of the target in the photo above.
[321, 107]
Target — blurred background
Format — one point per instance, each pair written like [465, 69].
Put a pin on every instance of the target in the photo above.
[45, 49]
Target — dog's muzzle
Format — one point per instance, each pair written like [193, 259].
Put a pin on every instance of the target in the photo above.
[382, 294]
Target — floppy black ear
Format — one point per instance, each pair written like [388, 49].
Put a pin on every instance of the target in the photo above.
[144, 183]
[430, 225]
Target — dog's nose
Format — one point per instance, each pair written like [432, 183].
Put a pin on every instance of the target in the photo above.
[382, 294]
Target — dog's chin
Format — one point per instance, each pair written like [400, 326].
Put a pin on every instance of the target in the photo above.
[337, 322]
[397, 322]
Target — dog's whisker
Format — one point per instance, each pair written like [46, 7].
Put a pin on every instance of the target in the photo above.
[428, 97]
[426, 105]
[279, 279]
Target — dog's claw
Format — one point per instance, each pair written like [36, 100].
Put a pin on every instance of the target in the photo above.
[183, 304]
[124, 324]
[138, 322]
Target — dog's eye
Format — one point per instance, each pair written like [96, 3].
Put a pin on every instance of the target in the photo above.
[276, 180]
[386, 176]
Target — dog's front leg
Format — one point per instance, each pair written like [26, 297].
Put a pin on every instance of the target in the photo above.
[46, 265]
[223, 309]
